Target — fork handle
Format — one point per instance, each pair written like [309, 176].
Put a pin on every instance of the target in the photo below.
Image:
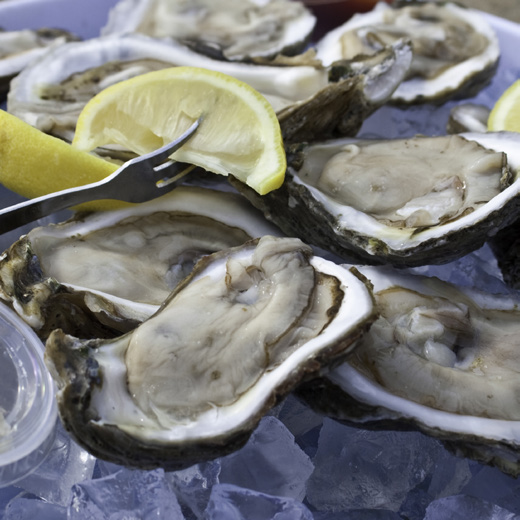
[34, 209]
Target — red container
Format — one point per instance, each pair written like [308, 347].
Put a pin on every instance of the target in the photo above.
[332, 13]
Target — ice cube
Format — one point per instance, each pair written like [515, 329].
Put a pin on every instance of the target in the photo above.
[23, 507]
[462, 507]
[297, 417]
[363, 514]
[104, 468]
[358, 469]
[393, 122]
[478, 269]
[66, 464]
[448, 477]
[302, 422]
[230, 502]
[493, 486]
[129, 494]
[193, 485]
[271, 462]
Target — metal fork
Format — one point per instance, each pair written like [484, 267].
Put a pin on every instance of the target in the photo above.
[143, 178]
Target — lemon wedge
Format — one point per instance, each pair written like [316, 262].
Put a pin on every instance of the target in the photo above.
[505, 115]
[239, 134]
[33, 163]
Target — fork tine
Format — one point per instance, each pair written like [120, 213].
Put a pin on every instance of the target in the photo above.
[158, 156]
[175, 173]
[137, 180]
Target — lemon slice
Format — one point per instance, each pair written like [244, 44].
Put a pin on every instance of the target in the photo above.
[239, 134]
[505, 115]
[33, 163]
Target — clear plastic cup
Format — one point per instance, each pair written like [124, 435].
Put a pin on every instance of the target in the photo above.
[28, 412]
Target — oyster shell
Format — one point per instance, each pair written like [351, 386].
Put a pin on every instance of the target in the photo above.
[455, 50]
[102, 274]
[441, 359]
[506, 248]
[452, 195]
[50, 94]
[193, 381]
[468, 117]
[19, 48]
[227, 29]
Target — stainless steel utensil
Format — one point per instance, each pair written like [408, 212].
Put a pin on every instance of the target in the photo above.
[143, 178]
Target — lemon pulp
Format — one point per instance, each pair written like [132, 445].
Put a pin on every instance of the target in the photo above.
[239, 134]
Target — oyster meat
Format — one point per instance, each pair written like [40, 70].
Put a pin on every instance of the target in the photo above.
[102, 274]
[226, 29]
[19, 48]
[235, 336]
[51, 93]
[440, 358]
[455, 50]
[407, 202]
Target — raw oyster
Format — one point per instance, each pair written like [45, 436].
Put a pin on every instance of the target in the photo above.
[455, 50]
[408, 202]
[439, 358]
[102, 274]
[227, 28]
[468, 117]
[19, 48]
[51, 93]
[193, 381]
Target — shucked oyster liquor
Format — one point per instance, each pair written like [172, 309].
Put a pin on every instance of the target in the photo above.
[311, 101]
[407, 202]
[439, 358]
[102, 274]
[455, 50]
[228, 29]
[192, 382]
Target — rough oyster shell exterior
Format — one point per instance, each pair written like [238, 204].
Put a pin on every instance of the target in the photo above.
[305, 211]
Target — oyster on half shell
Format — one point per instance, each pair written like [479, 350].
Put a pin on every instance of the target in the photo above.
[102, 274]
[19, 48]
[468, 117]
[226, 29]
[311, 101]
[440, 358]
[407, 202]
[192, 382]
[455, 50]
